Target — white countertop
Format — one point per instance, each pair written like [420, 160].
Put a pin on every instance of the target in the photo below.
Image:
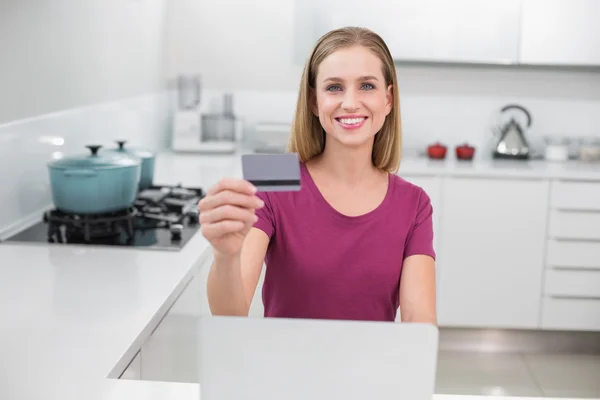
[487, 168]
[75, 313]
[74, 316]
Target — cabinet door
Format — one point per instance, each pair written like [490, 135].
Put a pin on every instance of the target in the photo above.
[170, 354]
[453, 31]
[493, 233]
[563, 32]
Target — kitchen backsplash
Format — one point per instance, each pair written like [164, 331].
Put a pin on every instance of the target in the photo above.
[451, 119]
[27, 145]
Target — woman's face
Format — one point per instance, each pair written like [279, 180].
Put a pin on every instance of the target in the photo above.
[352, 99]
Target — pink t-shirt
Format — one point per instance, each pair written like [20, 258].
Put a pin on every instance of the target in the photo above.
[325, 265]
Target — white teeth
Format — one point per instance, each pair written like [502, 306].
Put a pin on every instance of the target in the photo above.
[351, 121]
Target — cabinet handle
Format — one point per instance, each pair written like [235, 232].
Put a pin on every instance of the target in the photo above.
[571, 297]
[576, 269]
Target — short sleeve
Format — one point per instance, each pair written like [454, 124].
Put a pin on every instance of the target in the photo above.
[266, 216]
[420, 237]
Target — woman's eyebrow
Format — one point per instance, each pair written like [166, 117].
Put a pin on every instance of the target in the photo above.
[360, 78]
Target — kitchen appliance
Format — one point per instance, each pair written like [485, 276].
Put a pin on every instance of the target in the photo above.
[193, 131]
[186, 118]
[465, 152]
[510, 137]
[147, 159]
[95, 183]
[161, 217]
[221, 130]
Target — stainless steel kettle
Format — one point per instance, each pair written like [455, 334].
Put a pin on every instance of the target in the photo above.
[512, 142]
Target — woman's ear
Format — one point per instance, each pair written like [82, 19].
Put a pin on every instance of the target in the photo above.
[389, 96]
[312, 102]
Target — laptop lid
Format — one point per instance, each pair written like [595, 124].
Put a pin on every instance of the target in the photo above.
[293, 359]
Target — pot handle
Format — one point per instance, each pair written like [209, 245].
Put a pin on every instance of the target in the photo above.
[94, 149]
[84, 173]
[121, 144]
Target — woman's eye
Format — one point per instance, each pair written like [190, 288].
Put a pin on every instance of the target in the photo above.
[333, 88]
[368, 86]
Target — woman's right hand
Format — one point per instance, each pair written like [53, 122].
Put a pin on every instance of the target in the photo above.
[227, 213]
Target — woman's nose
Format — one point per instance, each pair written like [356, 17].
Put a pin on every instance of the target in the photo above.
[350, 101]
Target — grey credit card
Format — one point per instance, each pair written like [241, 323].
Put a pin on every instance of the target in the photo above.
[272, 172]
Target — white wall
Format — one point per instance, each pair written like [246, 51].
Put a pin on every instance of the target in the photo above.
[247, 47]
[234, 44]
[60, 54]
[74, 72]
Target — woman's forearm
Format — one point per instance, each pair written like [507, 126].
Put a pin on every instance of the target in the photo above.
[225, 287]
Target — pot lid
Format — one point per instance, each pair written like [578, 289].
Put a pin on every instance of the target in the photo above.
[93, 160]
[137, 152]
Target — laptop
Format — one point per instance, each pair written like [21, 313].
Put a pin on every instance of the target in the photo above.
[293, 359]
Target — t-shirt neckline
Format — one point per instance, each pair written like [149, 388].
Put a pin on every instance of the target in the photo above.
[312, 186]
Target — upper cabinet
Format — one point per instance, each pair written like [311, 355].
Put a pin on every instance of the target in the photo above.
[560, 32]
[542, 32]
[454, 31]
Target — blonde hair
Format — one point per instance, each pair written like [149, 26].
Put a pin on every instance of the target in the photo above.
[308, 137]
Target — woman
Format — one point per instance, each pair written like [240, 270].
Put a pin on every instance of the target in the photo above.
[356, 241]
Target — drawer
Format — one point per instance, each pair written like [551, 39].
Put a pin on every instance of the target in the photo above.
[571, 314]
[575, 225]
[576, 283]
[569, 195]
[573, 254]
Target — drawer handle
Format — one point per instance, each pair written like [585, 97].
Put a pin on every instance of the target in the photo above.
[576, 269]
[572, 239]
[571, 297]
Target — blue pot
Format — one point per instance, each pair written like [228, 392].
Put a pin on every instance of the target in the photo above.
[146, 157]
[94, 183]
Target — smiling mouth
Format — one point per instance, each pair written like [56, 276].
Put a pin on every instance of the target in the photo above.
[351, 121]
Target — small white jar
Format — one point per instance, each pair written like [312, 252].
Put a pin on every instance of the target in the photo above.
[557, 149]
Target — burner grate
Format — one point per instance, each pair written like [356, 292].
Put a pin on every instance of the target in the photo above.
[65, 227]
[160, 216]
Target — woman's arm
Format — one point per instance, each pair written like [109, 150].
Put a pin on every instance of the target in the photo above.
[232, 281]
[417, 290]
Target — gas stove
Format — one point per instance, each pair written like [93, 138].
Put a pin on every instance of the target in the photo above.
[162, 217]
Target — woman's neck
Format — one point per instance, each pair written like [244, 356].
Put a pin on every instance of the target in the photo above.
[347, 166]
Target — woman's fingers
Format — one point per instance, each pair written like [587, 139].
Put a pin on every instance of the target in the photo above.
[228, 197]
[222, 228]
[234, 185]
[228, 212]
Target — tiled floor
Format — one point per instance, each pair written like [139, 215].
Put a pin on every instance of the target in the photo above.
[543, 375]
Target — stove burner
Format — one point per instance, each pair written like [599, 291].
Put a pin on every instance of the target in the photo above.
[161, 217]
[66, 226]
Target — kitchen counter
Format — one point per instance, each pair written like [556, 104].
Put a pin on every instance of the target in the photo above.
[487, 168]
[74, 316]
[74, 313]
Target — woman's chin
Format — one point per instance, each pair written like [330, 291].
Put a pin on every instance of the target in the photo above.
[354, 139]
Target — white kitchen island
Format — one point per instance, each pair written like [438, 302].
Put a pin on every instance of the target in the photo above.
[74, 317]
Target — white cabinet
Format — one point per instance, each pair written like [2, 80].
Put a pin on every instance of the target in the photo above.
[562, 32]
[424, 30]
[133, 370]
[453, 31]
[170, 353]
[531, 32]
[493, 235]
[572, 278]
